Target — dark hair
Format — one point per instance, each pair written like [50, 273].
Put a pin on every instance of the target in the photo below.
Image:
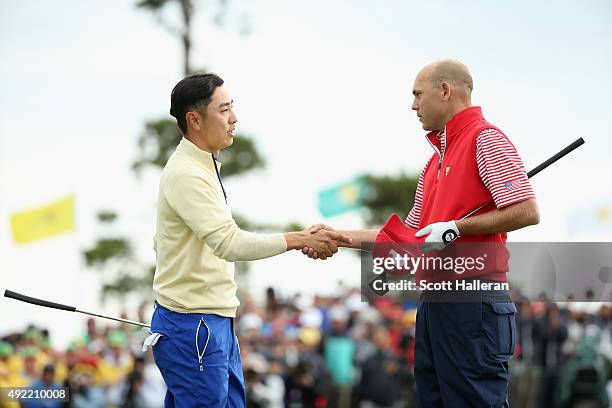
[192, 93]
[49, 368]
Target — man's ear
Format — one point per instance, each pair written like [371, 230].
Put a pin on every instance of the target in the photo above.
[446, 91]
[194, 120]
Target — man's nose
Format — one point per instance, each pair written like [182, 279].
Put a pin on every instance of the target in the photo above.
[415, 106]
[233, 118]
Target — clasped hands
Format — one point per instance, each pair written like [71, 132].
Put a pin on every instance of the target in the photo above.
[439, 236]
[322, 241]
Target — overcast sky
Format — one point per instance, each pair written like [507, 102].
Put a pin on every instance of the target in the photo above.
[323, 87]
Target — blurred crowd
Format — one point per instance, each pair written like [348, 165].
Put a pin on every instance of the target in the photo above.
[322, 351]
[105, 367]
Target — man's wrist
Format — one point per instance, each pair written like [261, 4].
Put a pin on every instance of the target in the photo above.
[451, 234]
[295, 240]
[459, 225]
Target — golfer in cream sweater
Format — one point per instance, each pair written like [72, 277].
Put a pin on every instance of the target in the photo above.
[197, 241]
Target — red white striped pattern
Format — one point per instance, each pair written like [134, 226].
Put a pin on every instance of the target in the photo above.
[414, 216]
[500, 168]
[441, 136]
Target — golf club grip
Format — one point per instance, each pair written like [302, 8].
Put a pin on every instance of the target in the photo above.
[574, 145]
[577, 143]
[39, 302]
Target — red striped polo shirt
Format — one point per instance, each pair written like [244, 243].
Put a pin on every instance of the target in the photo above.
[501, 170]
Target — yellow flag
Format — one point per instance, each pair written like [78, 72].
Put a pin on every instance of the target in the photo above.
[42, 222]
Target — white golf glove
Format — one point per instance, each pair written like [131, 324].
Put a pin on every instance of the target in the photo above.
[441, 234]
[151, 341]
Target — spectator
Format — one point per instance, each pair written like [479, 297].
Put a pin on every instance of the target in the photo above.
[115, 366]
[381, 384]
[46, 383]
[339, 351]
[30, 371]
[134, 397]
[526, 375]
[83, 393]
[265, 387]
[307, 381]
[550, 335]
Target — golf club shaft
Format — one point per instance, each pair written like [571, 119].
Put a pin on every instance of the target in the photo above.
[573, 146]
[59, 306]
[117, 319]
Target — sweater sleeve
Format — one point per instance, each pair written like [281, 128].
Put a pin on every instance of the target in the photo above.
[194, 199]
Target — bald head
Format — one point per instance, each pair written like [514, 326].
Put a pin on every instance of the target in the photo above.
[441, 90]
[451, 71]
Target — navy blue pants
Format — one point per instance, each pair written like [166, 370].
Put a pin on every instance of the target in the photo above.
[199, 358]
[462, 351]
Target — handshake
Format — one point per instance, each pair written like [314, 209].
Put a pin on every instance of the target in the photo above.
[321, 241]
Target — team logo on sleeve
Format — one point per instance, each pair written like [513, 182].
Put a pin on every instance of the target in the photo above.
[511, 185]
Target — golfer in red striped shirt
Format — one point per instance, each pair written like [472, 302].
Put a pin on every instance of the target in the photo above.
[462, 349]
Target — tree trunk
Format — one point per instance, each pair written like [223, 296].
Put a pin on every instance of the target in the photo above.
[187, 10]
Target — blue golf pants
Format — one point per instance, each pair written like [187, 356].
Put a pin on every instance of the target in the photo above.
[199, 358]
[462, 351]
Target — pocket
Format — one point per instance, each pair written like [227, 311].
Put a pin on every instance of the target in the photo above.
[237, 343]
[202, 339]
[157, 323]
[499, 327]
[166, 321]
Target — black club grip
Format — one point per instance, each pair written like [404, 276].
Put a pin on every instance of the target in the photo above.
[39, 302]
[576, 144]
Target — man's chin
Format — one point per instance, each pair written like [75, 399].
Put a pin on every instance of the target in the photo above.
[429, 128]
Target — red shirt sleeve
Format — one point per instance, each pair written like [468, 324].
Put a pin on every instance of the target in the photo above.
[501, 169]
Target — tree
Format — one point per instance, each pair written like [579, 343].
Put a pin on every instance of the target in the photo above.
[160, 137]
[389, 194]
[187, 11]
[112, 255]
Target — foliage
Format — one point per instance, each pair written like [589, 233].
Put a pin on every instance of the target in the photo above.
[241, 157]
[128, 282]
[105, 249]
[389, 194]
[114, 257]
[187, 11]
[107, 216]
[160, 138]
[157, 142]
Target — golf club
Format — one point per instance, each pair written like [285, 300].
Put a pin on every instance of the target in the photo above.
[59, 306]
